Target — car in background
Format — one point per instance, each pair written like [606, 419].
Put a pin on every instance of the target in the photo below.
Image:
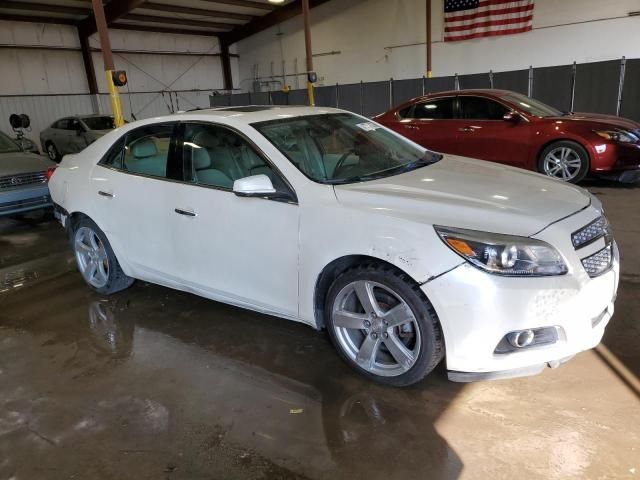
[510, 128]
[72, 134]
[23, 179]
[321, 216]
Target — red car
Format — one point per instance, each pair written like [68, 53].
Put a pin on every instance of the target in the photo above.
[511, 128]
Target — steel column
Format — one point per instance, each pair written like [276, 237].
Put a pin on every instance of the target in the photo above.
[308, 49]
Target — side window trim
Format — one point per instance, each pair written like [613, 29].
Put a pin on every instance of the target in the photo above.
[252, 145]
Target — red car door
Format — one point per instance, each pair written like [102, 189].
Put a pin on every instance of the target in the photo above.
[431, 123]
[485, 134]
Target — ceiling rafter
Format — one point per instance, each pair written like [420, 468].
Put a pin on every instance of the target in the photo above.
[113, 10]
[176, 21]
[259, 24]
[147, 28]
[37, 19]
[43, 7]
[245, 3]
[163, 7]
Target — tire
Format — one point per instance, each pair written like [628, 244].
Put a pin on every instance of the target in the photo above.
[52, 152]
[371, 339]
[564, 160]
[96, 261]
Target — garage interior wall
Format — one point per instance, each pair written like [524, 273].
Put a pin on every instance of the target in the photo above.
[386, 39]
[48, 81]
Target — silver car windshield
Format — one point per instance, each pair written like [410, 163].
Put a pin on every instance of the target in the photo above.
[7, 145]
[343, 148]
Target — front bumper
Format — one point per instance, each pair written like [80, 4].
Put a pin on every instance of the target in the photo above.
[617, 160]
[23, 200]
[477, 309]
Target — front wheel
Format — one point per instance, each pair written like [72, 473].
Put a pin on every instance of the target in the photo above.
[383, 326]
[564, 160]
[95, 259]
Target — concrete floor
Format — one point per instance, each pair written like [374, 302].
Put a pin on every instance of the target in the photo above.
[153, 383]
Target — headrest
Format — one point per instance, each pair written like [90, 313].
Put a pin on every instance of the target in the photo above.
[201, 159]
[229, 139]
[206, 139]
[143, 148]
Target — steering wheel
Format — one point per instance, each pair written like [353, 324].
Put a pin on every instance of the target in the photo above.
[342, 159]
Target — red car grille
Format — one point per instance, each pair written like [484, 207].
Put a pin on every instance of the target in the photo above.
[22, 179]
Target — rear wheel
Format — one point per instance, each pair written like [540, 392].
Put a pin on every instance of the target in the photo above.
[95, 259]
[383, 326]
[564, 160]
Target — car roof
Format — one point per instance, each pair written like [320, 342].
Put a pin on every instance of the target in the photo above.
[93, 115]
[491, 92]
[259, 113]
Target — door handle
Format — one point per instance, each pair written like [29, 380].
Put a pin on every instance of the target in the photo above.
[105, 194]
[186, 213]
[467, 129]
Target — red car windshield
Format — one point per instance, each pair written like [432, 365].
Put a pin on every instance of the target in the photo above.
[531, 106]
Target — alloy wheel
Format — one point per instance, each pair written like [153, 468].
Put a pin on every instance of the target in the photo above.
[376, 328]
[91, 256]
[563, 163]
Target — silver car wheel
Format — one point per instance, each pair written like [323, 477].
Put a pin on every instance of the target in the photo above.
[52, 152]
[563, 163]
[376, 328]
[91, 256]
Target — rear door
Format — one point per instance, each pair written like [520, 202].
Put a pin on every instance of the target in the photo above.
[433, 124]
[484, 134]
[134, 188]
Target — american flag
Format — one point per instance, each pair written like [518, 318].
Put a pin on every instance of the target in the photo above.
[464, 19]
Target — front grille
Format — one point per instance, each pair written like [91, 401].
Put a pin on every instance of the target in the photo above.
[22, 179]
[590, 233]
[599, 262]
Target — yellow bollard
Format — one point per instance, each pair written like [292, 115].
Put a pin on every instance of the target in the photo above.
[114, 95]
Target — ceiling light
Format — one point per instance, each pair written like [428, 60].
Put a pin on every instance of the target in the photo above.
[276, 1]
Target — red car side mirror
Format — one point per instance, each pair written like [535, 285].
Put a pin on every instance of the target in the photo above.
[511, 117]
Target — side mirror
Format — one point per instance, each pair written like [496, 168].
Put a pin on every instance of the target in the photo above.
[254, 186]
[511, 117]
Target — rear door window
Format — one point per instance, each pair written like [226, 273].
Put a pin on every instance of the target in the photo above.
[435, 109]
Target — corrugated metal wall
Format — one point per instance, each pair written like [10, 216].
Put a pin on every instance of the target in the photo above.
[45, 109]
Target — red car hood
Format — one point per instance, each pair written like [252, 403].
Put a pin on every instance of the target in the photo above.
[610, 120]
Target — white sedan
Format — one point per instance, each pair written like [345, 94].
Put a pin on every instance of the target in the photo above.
[321, 216]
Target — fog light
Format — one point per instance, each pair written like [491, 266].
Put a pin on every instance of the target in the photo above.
[521, 339]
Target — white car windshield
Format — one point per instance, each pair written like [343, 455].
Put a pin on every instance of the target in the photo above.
[343, 148]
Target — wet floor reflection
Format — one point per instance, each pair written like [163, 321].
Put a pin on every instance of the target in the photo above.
[161, 381]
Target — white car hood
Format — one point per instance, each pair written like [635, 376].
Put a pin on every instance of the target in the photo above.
[467, 193]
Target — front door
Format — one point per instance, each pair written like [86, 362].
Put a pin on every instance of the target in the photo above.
[242, 250]
[484, 133]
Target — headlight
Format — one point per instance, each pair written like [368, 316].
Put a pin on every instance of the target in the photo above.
[621, 136]
[504, 254]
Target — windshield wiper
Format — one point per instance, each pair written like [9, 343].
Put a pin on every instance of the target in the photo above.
[421, 162]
